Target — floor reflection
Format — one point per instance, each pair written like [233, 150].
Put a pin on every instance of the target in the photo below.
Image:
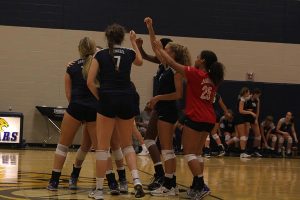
[9, 166]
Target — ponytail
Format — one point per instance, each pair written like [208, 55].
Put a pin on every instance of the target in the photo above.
[87, 49]
[214, 68]
[216, 73]
[86, 66]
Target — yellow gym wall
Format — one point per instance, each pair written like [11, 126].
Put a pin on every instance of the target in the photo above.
[33, 63]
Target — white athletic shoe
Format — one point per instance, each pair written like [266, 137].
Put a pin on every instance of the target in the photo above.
[244, 155]
[145, 152]
[164, 192]
[96, 194]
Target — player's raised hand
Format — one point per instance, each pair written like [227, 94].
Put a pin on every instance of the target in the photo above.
[148, 21]
[132, 36]
[139, 42]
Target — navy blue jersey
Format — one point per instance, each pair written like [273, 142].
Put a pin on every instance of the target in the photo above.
[166, 85]
[217, 108]
[285, 126]
[156, 79]
[80, 93]
[226, 125]
[181, 102]
[114, 71]
[251, 105]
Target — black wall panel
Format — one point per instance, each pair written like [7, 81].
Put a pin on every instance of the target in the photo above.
[254, 20]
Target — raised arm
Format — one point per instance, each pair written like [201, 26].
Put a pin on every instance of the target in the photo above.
[91, 79]
[168, 59]
[149, 24]
[138, 56]
[146, 56]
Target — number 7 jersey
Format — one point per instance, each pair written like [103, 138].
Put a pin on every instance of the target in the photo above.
[114, 70]
[200, 94]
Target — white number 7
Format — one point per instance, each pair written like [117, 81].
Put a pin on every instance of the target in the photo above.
[117, 62]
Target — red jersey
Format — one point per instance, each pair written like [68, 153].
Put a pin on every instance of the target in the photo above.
[199, 96]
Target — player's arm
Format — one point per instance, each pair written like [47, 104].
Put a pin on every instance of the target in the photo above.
[171, 96]
[223, 106]
[146, 56]
[91, 79]
[294, 134]
[243, 111]
[258, 109]
[68, 86]
[263, 135]
[138, 61]
[149, 24]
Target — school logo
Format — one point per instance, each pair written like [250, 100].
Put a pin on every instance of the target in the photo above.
[3, 123]
[9, 130]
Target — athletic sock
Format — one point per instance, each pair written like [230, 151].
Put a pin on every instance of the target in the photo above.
[75, 172]
[55, 176]
[159, 170]
[121, 174]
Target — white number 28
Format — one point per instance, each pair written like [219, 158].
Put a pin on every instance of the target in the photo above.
[206, 92]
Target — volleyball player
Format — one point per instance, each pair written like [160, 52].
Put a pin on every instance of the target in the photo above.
[268, 131]
[242, 120]
[81, 108]
[169, 90]
[218, 102]
[116, 102]
[151, 131]
[202, 82]
[286, 132]
[253, 105]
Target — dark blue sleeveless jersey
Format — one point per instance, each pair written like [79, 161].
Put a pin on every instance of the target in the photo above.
[156, 79]
[114, 73]
[251, 104]
[166, 85]
[285, 126]
[217, 108]
[80, 93]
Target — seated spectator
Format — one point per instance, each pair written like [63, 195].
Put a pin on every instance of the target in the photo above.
[286, 132]
[268, 131]
[227, 129]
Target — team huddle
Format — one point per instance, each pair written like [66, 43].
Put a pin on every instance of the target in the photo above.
[103, 98]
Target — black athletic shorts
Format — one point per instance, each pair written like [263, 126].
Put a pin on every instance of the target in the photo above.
[123, 106]
[250, 119]
[167, 115]
[198, 126]
[82, 113]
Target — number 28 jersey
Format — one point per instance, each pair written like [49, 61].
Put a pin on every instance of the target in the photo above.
[200, 94]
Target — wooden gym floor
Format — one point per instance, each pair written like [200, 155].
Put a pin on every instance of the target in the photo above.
[24, 175]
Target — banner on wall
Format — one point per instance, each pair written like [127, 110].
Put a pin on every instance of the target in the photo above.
[11, 127]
